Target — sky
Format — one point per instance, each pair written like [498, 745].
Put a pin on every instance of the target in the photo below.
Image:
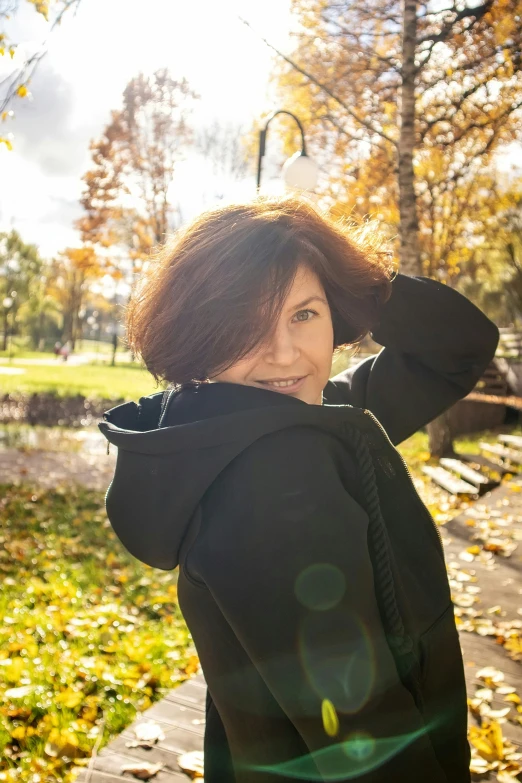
[90, 59]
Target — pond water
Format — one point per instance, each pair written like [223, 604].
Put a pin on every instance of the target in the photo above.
[88, 441]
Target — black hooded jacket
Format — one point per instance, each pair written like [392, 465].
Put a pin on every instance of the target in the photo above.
[311, 575]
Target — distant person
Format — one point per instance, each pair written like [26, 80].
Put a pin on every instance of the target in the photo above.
[311, 575]
[66, 350]
[57, 348]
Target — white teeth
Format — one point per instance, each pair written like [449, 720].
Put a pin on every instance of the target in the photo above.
[282, 384]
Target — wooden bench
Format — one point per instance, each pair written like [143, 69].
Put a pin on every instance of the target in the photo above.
[451, 483]
[503, 452]
[514, 440]
[476, 474]
[510, 343]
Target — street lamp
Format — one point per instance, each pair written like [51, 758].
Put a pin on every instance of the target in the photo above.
[299, 171]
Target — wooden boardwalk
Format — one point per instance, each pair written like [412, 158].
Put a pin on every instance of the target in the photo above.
[181, 713]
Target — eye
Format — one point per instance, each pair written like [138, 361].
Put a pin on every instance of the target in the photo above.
[304, 315]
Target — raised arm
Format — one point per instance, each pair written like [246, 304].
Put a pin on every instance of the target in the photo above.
[295, 584]
[436, 344]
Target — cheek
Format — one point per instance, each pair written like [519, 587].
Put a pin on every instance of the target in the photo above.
[238, 373]
[319, 347]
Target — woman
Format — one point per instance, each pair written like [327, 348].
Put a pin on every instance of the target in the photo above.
[311, 575]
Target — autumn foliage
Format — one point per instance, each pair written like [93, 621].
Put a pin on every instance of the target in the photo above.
[346, 80]
[127, 199]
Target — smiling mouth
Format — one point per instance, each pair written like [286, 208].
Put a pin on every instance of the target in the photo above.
[283, 384]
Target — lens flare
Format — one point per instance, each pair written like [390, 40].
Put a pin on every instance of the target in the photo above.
[359, 754]
[330, 719]
[320, 586]
[338, 658]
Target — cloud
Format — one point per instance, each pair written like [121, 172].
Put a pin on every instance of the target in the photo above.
[44, 129]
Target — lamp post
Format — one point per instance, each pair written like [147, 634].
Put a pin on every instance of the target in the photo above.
[299, 171]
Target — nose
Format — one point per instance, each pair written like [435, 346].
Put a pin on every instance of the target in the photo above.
[282, 349]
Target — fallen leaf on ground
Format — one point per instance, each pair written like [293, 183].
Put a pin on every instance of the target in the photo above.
[142, 770]
[192, 764]
[490, 673]
[149, 731]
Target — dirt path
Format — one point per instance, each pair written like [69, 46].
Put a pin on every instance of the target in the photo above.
[56, 468]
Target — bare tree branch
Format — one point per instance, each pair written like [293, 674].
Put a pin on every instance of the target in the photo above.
[476, 13]
[22, 75]
[365, 123]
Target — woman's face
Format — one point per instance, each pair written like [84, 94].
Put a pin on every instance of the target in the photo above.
[297, 358]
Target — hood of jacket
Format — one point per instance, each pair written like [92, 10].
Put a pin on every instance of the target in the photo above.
[172, 447]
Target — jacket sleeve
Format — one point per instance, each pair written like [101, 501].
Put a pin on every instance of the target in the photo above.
[288, 566]
[436, 344]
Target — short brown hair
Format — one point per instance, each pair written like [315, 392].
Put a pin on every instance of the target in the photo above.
[215, 291]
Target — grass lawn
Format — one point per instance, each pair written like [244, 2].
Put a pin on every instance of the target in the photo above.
[129, 381]
[18, 350]
[92, 380]
[89, 636]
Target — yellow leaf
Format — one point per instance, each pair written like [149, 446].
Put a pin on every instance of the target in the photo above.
[495, 733]
[330, 719]
[69, 698]
[512, 697]
[18, 733]
[6, 142]
[15, 670]
[21, 91]
[61, 743]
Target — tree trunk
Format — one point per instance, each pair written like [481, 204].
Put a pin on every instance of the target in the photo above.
[6, 327]
[114, 349]
[440, 439]
[409, 225]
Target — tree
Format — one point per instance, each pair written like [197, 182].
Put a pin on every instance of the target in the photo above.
[20, 265]
[39, 316]
[127, 199]
[493, 277]
[224, 146]
[15, 84]
[73, 271]
[391, 83]
[414, 97]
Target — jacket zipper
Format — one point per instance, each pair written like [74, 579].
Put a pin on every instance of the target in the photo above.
[167, 394]
[378, 423]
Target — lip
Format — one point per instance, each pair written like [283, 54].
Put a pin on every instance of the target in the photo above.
[284, 389]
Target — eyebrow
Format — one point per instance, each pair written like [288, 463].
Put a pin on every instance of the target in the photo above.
[308, 301]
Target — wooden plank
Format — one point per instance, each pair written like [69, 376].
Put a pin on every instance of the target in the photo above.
[177, 741]
[444, 479]
[480, 459]
[473, 476]
[110, 764]
[494, 399]
[181, 716]
[170, 713]
[502, 451]
[515, 440]
[499, 582]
